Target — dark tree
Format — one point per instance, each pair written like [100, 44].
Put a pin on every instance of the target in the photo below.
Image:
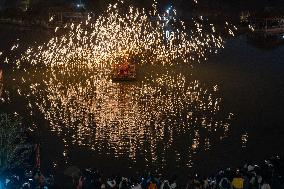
[14, 151]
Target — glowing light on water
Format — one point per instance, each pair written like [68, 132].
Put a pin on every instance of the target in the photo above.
[244, 140]
[71, 86]
[124, 115]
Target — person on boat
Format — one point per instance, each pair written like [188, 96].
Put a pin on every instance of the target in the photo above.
[125, 67]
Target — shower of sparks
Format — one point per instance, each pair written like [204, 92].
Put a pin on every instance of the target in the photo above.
[244, 140]
[70, 84]
[100, 42]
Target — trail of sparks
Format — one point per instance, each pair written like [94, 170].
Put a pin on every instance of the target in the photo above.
[77, 96]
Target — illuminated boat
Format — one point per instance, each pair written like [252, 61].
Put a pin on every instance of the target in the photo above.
[124, 72]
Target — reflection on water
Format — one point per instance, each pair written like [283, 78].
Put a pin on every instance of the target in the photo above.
[148, 118]
[164, 115]
[244, 140]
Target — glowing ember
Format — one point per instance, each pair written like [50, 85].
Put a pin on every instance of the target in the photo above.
[77, 96]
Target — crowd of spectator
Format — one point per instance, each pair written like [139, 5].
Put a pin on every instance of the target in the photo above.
[266, 175]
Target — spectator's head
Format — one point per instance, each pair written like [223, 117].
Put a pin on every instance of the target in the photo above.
[103, 186]
[238, 173]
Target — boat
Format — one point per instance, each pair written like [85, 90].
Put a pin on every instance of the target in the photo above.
[124, 72]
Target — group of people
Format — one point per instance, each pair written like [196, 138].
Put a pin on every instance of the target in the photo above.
[93, 179]
[28, 180]
[267, 175]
